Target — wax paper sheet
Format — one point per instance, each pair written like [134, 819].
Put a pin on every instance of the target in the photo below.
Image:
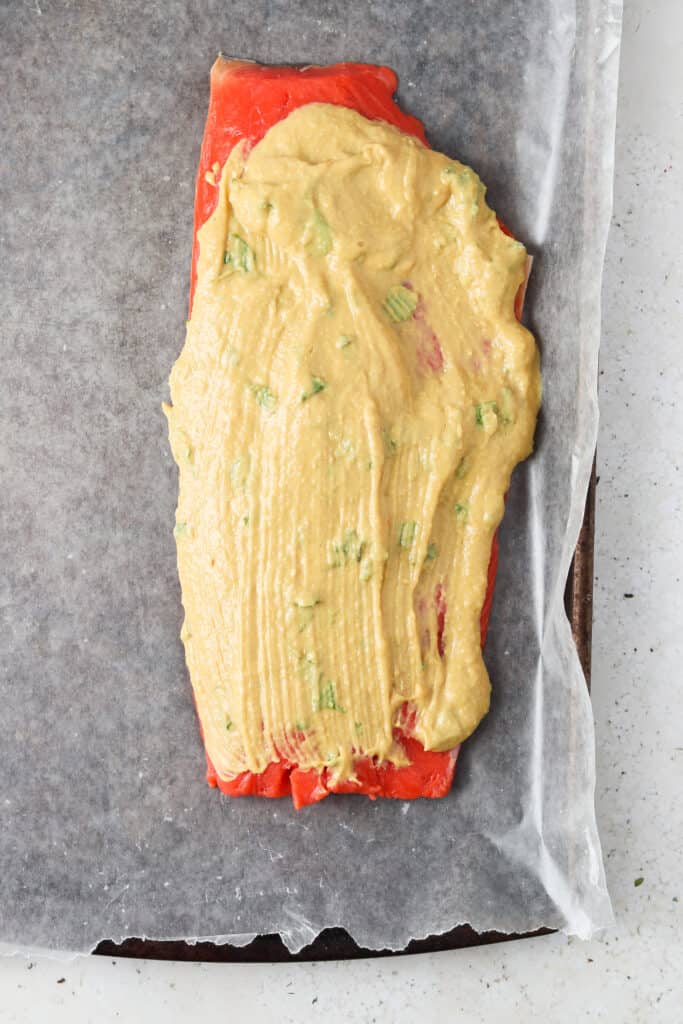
[107, 827]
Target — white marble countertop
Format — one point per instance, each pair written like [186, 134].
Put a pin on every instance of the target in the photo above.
[634, 972]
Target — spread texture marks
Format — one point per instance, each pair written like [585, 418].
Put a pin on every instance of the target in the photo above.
[341, 499]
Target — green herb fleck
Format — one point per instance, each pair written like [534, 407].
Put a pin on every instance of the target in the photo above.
[306, 666]
[305, 607]
[463, 466]
[352, 546]
[345, 449]
[334, 555]
[406, 534]
[304, 618]
[317, 385]
[327, 698]
[239, 255]
[307, 602]
[366, 570]
[265, 398]
[481, 409]
[507, 406]
[638, 881]
[344, 340]
[228, 723]
[463, 174]
[301, 726]
[239, 471]
[462, 511]
[400, 303]
[432, 552]
[318, 235]
[179, 529]
[230, 356]
[390, 445]
[358, 726]
[245, 520]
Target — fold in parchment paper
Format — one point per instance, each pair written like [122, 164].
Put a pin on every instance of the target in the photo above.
[107, 827]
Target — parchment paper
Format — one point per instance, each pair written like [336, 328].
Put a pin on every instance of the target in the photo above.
[107, 828]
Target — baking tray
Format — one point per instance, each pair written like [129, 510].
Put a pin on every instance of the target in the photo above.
[336, 943]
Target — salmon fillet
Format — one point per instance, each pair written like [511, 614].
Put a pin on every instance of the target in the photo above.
[246, 100]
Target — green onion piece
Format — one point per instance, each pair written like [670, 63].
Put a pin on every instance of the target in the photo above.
[318, 236]
[463, 466]
[307, 602]
[390, 445]
[230, 357]
[327, 698]
[265, 397]
[507, 406]
[239, 471]
[305, 607]
[239, 255]
[334, 555]
[481, 409]
[304, 617]
[317, 385]
[406, 534]
[400, 303]
[352, 545]
[366, 570]
[432, 552]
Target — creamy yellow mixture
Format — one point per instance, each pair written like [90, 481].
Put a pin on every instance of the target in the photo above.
[352, 397]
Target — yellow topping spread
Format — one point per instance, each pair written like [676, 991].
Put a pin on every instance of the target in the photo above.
[352, 397]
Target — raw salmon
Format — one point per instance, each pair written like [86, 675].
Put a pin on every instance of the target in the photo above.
[246, 100]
